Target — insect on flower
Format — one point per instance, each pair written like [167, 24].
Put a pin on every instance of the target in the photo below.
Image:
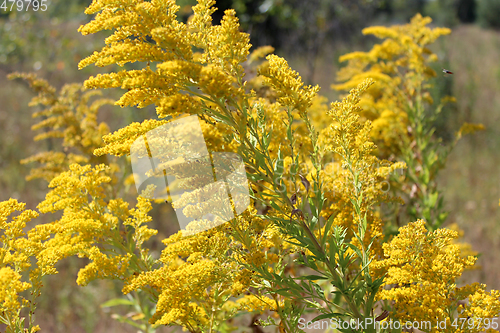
[445, 71]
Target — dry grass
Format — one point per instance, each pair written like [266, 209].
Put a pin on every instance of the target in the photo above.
[471, 181]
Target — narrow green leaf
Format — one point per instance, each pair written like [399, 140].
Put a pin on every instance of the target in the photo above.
[329, 223]
[327, 315]
[313, 277]
[115, 302]
[355, 248]
[356, 206]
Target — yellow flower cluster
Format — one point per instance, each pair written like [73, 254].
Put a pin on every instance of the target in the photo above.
[289, 85]
[199, 276]
[16, 252]
[404, 46]
[349, 140]
[212, 77]
[468, 128]
[71, 116]
[422, 272]
[10, 287]
[87, 223]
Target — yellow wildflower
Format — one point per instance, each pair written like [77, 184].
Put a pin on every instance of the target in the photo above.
[422, 270]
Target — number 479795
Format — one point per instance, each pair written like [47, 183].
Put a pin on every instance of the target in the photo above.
[20, 5]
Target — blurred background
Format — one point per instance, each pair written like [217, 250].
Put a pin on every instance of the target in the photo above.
[311, 35]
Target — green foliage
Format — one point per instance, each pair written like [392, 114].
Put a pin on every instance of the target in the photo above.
[488, 13]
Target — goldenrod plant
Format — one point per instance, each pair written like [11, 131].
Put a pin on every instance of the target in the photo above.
[311, 243]
[69, 115]
[403, 113]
